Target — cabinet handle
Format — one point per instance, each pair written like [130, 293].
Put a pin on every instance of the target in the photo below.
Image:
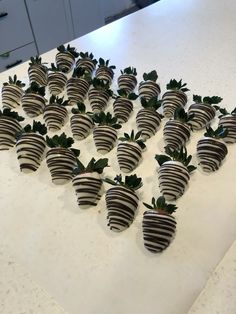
[13, 64]
[3, 14]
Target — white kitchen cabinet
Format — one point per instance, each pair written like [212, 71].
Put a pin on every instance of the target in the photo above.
[17, 41]
[87, 16]
[15, 28]
[51, 23]
[15, 57]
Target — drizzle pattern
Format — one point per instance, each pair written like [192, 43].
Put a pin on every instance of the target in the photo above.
[104, 138]
[87, 188]
[11, 96]
[148, 121]
[55, 117]
[176, 133]
[203, 114]
[148, 89]
[33, 104]
[122, 108]
[60, 162]
[128, 155]
[171, 100]
[8, 129]
[56, 82]
[158, 231]
[81, 125]
[173, 179]
[121, 204]
[30, 148]
[211, 152]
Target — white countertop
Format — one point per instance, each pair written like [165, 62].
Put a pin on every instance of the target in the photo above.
[70, 252]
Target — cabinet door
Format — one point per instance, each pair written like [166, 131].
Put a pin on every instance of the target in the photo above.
[51, 22]
[15, 28]
[87, 16]
[17, 56]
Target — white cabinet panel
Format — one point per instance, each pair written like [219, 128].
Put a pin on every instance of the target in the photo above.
[87, 16]
[51, 22]
[17, 56]
[15, 28]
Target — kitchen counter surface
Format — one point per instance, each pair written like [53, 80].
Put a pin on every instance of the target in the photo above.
[70, 252]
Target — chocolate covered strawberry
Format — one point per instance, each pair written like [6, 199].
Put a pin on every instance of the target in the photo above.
[9, 127]
[87, 181]
[158, 225]
[228, 121]
[56, 80]
[87, 62]
[148, 88]
[129, 151]
[174, 172]
[12, 92]
[55, 113]
[30, 146]
[105, 71]
[37, 71]
[122, 201]
[81, 122]
[123, 105]
[127, 80]
[177, 130]
[105, 131]
[61, 158]
[65, 58]
[204, 110]
[148, 119]
[99, 95]
[211, 150]
[174, 97]
[33, 101]
[78, 85]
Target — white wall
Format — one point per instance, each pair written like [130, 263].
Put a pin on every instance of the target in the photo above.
[112, 7]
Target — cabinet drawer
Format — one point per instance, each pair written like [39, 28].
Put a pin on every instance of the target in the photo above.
[15, 28]
[17, 56]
